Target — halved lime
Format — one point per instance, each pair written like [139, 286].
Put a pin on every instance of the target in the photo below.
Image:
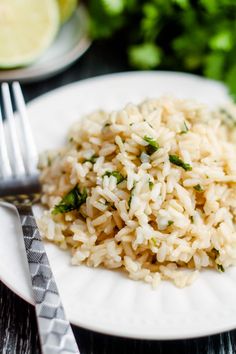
[27, 28]
[67, 7]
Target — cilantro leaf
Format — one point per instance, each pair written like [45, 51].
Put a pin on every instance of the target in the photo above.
[170, 222]
[198, 188]
[71, 201]
[223, 40]
[152, 146]
[151, 185]
[178, 162]
[213, 66]
[113, 7]
[92, 159]
[145, 55]
[116, 174]
[154, 241]
[220, 268]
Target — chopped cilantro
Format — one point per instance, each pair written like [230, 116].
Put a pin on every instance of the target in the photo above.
[92, 159]
[151, 185]
[116, 174]
[130, 200]
[131, 196]
[152, 146]
[185, 129]
[154, 241]
[220, 268]
[198, 188]
[107, 125]
[170, 222]
[71, 139]
[71, 201]
[178, 162]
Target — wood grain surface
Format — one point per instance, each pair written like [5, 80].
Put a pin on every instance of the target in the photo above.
[18, 328]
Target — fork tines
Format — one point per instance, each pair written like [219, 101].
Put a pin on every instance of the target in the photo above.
[18, 156]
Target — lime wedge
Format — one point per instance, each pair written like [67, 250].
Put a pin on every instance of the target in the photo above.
[67, 7]
[27, 28]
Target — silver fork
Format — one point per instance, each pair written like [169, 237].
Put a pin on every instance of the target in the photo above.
[20, 188]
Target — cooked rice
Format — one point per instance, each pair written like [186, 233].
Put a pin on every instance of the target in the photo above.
[161, 221]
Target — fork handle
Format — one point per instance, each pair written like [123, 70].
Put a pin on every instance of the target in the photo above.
[55, 332]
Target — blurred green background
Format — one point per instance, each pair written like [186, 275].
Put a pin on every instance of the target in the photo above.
[185, 35]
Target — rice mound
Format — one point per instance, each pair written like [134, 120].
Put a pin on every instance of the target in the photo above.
[149, 189]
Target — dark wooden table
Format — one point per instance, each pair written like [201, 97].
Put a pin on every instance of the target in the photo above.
[18, 329]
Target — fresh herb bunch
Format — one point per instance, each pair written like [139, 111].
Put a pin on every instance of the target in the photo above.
[196, 36]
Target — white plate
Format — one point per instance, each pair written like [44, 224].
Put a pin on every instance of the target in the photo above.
[103, 300]
[71, 42]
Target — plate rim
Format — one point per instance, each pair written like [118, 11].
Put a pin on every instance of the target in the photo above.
[92, 327]
[123, 74]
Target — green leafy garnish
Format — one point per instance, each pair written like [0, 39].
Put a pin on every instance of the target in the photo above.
[194, 36]
[151, 185]
[191, 219]
[152, 146]
[115, 174]
[198, 188]
[220, 268]
[185, 129]
[92, 159]
[216, 253]
[170, 222]
[131, 196]
[178, 162]
[154, 241]
[130, 200]
[71, 201]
